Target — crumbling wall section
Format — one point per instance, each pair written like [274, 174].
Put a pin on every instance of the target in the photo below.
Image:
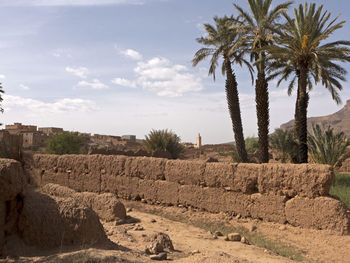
[10, 145]
[297, 194]
[12, 182]
[50, 221]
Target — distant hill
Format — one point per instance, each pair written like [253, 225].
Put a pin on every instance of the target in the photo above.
[340, 121]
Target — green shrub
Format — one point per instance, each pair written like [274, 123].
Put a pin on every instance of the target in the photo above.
[341, 188]
[163, 140]
[285, 143]
[252, 147]
[64, 143]
[326, 146]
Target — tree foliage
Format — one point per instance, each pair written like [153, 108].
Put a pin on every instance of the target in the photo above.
[252, 146]
[223, 40]
[326, 146]
[64, 143]
[301, 56]
[163, 140]
[285, 143]
[258, 28]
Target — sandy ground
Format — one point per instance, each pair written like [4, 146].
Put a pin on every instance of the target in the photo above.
[187, 240]
[194, 244]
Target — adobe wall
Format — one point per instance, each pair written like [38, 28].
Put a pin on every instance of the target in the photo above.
[297, 194]
[12, 182]
[10, 145]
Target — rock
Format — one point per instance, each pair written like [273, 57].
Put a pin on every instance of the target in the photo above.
[213, 236]
[238, 216]
[139, 228]
[218, 234]
[244, 241]
[211, 160]
[156, 247]
[153, 220]
[283, 227]
[195, 252]
[143, 201]
[160, 256]
[129, 210]
[164, 239]
[233, 237]
[252, 228]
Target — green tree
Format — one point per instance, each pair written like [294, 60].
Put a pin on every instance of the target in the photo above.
[300, 54]
[163, 140]
[258, 28]
[252, 146]
[221, 42]
[326, 146]
[64, 143]
[286, 145]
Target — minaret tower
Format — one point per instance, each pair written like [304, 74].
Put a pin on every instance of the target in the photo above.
[199, 141]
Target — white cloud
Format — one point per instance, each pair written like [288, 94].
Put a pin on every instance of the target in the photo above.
[80, 72]
[24, 87]
[133, 54]
[60, 106]
[94, 84]
[2, 76]
[68, 2]
[160, 76]
[124, 82]
[62, 52]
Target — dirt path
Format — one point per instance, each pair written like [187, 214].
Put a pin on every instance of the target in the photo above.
[313, 245]
[187, 239]
[193, 244]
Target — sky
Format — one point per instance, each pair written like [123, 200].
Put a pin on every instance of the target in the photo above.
[121, 67]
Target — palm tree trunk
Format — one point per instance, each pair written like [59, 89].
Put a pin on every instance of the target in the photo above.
[235, 112]
[262, 111]
[297, 118]
[302, 116]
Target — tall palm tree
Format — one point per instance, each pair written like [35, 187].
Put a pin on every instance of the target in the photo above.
[221, 41]
[300, 55]
[257, 26]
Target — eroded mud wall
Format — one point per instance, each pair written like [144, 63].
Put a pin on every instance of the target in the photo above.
[12, 182]
[297, 194]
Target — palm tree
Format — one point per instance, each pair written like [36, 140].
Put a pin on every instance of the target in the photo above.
[299, 54]
[221, 41]
[257, 27]
[327, 146]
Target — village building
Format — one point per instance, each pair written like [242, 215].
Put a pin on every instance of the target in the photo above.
[18, 128]
[49, 131]
[130, 138]
[33, 139]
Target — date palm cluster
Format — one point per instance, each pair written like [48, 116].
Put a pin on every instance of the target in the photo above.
[274, 45]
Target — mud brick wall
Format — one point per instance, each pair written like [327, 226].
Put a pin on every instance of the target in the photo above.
[297, 194]
[12, 182]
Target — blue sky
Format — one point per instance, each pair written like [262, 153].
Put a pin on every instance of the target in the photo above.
[124, 67]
